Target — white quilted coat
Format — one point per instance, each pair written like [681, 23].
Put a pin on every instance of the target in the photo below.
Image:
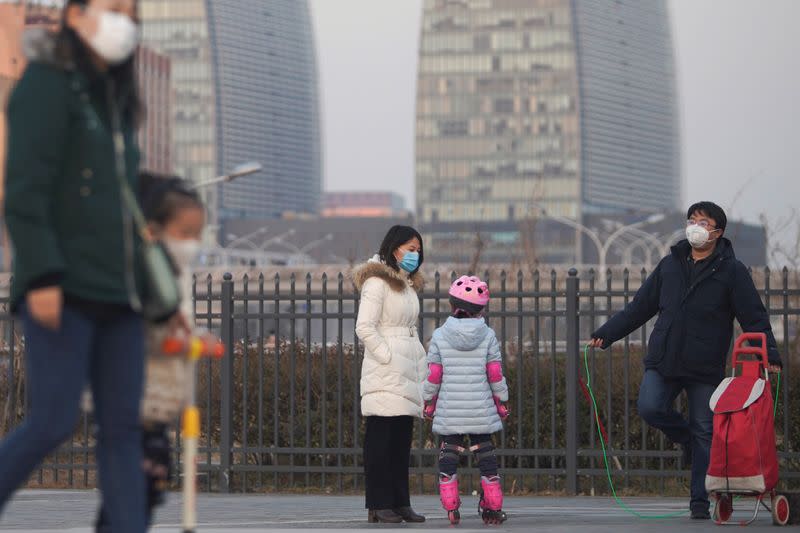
[394, 365]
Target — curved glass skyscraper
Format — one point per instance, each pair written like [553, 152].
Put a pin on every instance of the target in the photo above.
[244, 89]
[564, 105]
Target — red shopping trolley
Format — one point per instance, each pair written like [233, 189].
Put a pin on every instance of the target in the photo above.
[744, 458]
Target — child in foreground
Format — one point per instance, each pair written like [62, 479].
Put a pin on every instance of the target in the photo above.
[175, 217]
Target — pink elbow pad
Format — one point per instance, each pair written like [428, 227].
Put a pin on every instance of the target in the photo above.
[435, 372]
[495, 371]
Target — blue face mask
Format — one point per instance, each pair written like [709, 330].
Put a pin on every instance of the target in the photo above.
[410, 262]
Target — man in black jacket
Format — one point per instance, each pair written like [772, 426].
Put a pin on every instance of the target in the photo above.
[696, 291]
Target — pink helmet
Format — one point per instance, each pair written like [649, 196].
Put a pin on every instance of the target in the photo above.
[470, 289]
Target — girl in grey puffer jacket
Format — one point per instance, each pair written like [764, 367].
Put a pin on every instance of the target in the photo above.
[464, 394]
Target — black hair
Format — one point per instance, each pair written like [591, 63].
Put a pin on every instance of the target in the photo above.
[396, 237]
[712, 211]
[162, 196]
[463, 309]
[73, 52]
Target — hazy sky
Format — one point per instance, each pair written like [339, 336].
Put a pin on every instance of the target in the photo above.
[738, 80]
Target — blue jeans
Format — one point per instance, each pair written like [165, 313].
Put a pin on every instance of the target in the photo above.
[110, 356]
[656, 398]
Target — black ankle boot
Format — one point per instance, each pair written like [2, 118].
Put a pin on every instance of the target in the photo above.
[408, 514]
[383, 515]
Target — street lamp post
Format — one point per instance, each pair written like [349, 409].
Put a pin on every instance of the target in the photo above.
[575, 225]
[233, 239]
[661, 245]
[643, 245]
[277, 239]
[261, 248]
[244, 169]
[621, 230]
[602, 246]
[640, 241]
[303, 250]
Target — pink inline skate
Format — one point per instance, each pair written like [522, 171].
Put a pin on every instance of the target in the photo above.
[448, 491]
[490, 506]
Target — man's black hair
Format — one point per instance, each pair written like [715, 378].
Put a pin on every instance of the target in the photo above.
[712, 211]
[396, 237]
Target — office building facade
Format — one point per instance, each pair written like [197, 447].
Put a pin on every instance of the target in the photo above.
[153, 71]
[244, 88]
[561, 107]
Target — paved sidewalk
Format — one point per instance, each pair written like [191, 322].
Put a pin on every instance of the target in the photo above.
[73, 511]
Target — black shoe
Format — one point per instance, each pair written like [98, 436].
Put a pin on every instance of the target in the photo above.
[700, 512]
[383, 515]
[408, 514]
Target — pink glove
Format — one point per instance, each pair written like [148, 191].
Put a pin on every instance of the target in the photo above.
[502, 410]
[430, 408]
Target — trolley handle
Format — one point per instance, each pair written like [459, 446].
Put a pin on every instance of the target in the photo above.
[760, 351]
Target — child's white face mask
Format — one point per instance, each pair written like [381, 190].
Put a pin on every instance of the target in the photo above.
[183, 251]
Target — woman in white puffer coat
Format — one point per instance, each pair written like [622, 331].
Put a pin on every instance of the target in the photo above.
[392, 372]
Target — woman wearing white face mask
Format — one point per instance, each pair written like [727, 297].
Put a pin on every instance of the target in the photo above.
[74, 284]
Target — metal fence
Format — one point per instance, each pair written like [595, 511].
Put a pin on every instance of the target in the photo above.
[281, 411]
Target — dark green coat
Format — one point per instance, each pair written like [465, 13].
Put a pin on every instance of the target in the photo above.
[62, 204]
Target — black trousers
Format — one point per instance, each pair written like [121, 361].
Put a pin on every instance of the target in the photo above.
[387, 458]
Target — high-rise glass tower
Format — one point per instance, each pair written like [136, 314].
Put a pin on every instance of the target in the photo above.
[564, 105]
[244, 88]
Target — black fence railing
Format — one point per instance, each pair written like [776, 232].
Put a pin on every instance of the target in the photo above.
[281, 411]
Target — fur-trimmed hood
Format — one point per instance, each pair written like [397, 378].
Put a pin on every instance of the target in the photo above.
[398, 281]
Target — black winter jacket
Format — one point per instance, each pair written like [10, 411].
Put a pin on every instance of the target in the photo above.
[692, 335]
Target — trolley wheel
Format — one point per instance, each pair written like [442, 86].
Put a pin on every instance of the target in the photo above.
[780, 510]
[454, 516]
[723, 509]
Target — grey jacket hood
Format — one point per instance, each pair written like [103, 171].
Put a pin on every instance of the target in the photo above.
[465, 333]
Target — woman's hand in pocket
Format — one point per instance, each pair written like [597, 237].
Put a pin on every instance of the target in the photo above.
[45, 306]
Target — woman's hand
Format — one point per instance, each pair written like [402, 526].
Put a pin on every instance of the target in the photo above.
[178, 325]
[45, 306]
[430, 408]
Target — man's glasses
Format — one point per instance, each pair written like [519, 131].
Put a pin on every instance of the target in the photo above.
[702, 223]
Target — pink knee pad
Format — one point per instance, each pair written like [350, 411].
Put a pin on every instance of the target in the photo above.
[492, 493]
[448, 492]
